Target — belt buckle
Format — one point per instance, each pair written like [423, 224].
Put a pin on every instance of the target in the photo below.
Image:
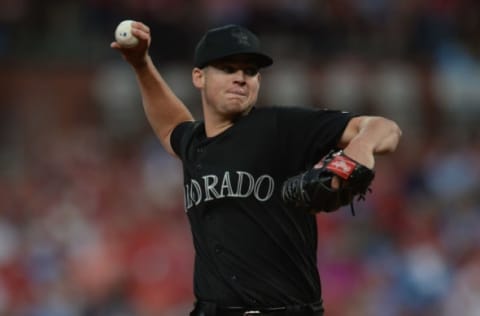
[252, 312]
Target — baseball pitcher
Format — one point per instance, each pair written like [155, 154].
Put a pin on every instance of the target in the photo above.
[255, 177]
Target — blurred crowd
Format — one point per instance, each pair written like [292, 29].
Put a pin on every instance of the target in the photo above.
[91, 208]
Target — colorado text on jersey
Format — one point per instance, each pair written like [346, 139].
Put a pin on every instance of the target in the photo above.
[241, 184]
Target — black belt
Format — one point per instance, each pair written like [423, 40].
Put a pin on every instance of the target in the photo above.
[203, 308]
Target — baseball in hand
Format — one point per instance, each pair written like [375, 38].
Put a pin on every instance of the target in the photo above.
[123, 34]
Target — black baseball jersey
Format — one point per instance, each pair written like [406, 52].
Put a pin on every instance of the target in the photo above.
[252, 250]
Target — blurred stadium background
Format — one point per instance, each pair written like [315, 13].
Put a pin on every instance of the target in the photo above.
[91, 207]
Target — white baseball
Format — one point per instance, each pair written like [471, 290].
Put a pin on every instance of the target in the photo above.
[123, 34]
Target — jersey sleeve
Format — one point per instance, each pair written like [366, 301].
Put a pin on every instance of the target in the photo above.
[309, 134]
[178, 138]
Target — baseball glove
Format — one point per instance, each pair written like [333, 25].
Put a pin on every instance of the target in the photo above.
[312, 189]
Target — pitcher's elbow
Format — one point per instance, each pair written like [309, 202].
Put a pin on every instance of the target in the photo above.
[395, 135]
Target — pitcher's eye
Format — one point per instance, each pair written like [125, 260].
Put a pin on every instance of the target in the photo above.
[228, 69]
[251, 71]
[247, 70]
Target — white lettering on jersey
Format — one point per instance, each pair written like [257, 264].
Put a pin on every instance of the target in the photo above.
[243, 185]
[210, 182]
[258, 185]
[251, 184]
[193, 194]
[226, 184]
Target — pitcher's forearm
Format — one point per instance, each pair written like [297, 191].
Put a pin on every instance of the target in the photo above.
[379, 133]
[164, 110]
[370, 136]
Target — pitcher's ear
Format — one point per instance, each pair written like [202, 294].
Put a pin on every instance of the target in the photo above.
[198, 77]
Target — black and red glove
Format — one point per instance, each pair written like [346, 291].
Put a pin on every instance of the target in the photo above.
[312, 189]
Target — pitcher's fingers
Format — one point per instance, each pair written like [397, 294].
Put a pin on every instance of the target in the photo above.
[336, 183]
[141, 34]
[141, 26]
[141, 31]
[115, 45]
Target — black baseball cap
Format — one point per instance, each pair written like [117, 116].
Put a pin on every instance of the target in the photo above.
[229, 40]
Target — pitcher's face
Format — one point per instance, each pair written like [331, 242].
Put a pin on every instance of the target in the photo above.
[229, 87]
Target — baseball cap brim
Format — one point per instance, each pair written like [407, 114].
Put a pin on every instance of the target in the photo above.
[260, 60]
